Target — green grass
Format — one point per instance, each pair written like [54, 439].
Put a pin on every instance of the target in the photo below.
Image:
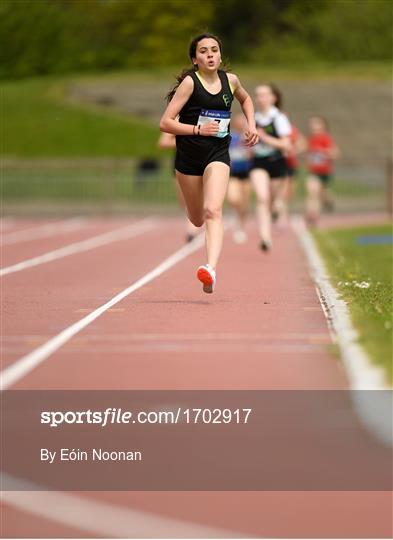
[351, 264]
[38, 123]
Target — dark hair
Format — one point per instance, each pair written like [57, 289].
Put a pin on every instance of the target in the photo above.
[192, 54]
[277, 94]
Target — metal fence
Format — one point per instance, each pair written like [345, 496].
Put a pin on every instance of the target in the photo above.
[111, 184]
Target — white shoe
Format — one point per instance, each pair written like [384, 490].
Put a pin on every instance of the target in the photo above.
[239, 236]
[208, 277]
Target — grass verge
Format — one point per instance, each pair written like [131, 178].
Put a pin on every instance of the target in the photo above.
[362, 274]
[37, 125]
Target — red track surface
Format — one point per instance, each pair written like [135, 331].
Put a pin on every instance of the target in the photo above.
[263, 328]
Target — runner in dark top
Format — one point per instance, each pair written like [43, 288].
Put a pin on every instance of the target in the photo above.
[198, 113]
[238, 195]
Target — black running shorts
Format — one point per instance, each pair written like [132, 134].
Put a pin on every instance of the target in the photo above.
[193, 154]
[240, 175]
[276, 168]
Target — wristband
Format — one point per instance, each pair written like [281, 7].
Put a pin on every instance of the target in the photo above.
[193, 130]
[199, 130]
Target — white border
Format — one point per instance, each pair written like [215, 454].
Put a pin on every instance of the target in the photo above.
[362, 374]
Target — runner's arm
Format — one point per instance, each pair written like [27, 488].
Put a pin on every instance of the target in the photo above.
[167, 140]
[334, 151]
[301, 144]
[281, 143]
[251, 135]
[169, 123]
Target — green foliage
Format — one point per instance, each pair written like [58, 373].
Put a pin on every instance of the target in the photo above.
[57, 36]
[363, 275]
[343, 29]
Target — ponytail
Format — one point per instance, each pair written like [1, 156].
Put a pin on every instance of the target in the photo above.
[179, 79]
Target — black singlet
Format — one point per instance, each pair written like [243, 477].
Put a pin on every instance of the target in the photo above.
[195, 152]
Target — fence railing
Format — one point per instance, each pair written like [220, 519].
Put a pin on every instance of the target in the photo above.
[94, 181]
[107, 184]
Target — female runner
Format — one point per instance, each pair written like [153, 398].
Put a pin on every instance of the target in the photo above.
[268, 168]
[239, 185]
[322, 150]
[202, 99]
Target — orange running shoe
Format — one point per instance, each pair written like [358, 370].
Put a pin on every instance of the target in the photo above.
[207, 276]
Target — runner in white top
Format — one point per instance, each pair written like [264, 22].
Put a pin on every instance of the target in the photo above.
[268, 169]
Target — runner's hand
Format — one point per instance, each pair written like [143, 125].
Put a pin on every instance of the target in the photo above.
[209, 129]
[251, 137]
[262, 134]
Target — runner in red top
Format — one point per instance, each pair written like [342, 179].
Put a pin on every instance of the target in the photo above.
[321, 152]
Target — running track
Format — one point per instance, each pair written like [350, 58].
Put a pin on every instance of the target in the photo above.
[266, 331]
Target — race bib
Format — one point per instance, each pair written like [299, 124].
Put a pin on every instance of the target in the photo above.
[221, 117]
[317, 158]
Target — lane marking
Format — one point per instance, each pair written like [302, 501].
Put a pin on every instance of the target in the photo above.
[176, 347]
[180, 336]
[13, 373]
[84, 245]
[43, 231]
[87, 310]
[361, 372]
[102, 338]
[99, 517]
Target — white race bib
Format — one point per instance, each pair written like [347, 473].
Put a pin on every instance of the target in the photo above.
[221, 117]
[317, 158]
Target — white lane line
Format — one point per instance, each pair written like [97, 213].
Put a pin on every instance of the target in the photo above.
[43, 231]
[13, 373]
[318, 336]
[84, 245]
[100, 518]
[361, 372]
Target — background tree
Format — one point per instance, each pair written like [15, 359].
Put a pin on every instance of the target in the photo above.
[39, 37]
